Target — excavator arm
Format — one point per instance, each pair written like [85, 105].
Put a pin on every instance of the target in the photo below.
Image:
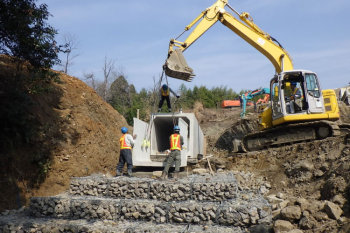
[176, 65]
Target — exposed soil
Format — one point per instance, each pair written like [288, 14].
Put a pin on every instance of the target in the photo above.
[317, 171]
[74, 130]
[93, 129]
[80, 133]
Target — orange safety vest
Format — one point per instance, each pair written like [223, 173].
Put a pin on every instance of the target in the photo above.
[123, 144]
[175, 143]
[165, 93]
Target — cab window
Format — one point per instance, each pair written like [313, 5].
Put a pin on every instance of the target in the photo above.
[311, 85]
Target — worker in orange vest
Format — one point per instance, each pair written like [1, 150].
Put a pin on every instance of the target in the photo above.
[126, 144]
[165, 95]
[176, 142]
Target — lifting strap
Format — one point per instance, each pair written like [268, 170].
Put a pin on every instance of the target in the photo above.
[146, 141]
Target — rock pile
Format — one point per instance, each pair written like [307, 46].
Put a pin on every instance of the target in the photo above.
[306, 214]
[201, 188]
[197, 203]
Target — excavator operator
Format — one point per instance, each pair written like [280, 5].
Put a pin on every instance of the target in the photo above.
[295, 98]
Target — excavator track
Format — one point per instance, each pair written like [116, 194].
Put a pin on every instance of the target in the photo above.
[344, 128]
[291, 133]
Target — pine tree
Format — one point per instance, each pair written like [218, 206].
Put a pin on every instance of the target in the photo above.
[25, 35]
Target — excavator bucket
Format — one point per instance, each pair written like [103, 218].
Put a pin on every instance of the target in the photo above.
[176, 66]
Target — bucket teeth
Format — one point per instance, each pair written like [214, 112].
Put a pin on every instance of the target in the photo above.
[176, 66]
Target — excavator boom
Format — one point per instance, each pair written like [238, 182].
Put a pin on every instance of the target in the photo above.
[176, 65]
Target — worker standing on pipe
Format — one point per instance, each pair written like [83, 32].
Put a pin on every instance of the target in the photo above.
[165, 95]
[126, 144]
[176, 142]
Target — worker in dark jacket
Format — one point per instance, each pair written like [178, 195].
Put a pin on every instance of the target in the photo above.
[176, 142]
[295, 98]
[126, 144]
[165, 95]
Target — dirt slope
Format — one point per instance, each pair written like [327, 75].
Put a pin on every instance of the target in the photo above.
[93, 129]
[73, 133]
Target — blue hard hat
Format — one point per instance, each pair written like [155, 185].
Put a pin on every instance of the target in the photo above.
[176, 128]
[124, 129]
[165, 87]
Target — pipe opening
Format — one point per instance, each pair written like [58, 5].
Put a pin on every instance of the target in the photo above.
[163, 128]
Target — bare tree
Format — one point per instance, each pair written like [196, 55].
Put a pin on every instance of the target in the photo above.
[89, 78]
[108, 71]
[71, 44]
[103, 87]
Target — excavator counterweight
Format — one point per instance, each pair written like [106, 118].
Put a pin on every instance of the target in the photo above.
[176, 66]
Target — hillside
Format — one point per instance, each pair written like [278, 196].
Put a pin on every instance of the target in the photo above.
[73, 132]
[69, 131]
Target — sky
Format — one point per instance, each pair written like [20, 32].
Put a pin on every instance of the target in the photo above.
[135, 35]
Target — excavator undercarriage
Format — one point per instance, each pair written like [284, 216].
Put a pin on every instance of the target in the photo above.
[291, 133]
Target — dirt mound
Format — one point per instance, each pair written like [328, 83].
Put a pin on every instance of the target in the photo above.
[73, 133]
[93, 129]
[344, 112]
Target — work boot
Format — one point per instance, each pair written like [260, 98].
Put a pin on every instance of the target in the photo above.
[164, 176]
[159, 109]
[118, 174]
[169, 109]
[176, 175]
[129, 173]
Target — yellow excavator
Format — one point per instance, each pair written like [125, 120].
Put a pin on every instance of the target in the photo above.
[299, 110]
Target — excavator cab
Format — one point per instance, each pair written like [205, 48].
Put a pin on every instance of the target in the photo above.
[291, 98]
[299, 111]
[176, 66]
[297, 97]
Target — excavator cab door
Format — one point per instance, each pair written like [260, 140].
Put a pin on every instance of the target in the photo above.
[313, 94]
[276, 100]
